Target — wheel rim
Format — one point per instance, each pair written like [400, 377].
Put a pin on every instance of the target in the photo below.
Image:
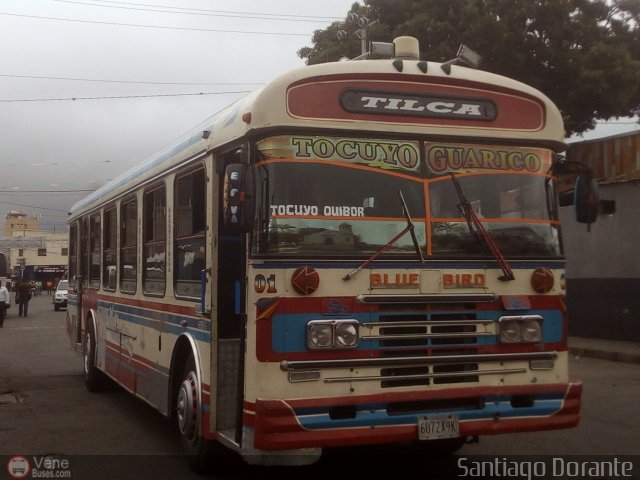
[188, 408]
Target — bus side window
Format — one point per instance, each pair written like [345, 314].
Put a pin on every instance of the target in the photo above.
[128, 246]
[189, 247]
[109, 262]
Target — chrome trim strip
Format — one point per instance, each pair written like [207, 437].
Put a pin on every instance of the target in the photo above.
[409, 336]
[287, 365]
[428, 323]
[423, 376]
[428, 298]
[519, 318]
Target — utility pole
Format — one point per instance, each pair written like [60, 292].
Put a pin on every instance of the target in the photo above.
[362, 22]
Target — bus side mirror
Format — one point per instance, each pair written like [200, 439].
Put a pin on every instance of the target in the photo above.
[586, 200]
[237, 198]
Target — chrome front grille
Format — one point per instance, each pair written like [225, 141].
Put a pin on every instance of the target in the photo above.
[422, 330]
[426, 334]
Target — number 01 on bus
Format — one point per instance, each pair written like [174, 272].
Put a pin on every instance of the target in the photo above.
[360, 252]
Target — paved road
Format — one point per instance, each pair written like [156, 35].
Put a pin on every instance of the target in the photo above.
[44, 409]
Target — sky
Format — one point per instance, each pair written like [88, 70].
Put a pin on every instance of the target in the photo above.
[89, 88]
[173, 63]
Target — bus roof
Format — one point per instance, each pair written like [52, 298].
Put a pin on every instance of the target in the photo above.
[366, 96]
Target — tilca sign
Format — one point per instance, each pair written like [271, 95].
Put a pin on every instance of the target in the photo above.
[395, 103]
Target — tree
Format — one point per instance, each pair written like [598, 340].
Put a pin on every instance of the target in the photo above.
[583, 54]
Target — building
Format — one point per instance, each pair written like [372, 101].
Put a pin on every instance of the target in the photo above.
[20, 223]
[603, 265]
[34, 254]
[342, 239]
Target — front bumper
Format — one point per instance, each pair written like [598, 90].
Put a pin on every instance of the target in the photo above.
[389, 418]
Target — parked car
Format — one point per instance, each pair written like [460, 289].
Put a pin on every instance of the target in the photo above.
[60, 295]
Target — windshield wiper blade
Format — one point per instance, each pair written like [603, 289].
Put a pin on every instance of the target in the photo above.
[477, 229]
[409, 228]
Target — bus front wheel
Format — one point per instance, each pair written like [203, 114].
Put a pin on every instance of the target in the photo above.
[94, 379]
[189, 418]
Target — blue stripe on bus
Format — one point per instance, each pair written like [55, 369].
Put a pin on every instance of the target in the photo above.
[289, 331]
[150, 318]
[371, 415]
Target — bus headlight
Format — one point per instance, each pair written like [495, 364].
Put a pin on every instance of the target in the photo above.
[510, 331]
[532, 330]
[520, 329]
[326, 334]
[346, 334]
[319, 335]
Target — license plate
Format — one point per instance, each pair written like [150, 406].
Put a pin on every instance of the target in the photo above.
[438, 426]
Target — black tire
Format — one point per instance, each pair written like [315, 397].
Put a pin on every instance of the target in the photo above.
[56, 307]
[94, 379]
[188, 415]
[204, 456]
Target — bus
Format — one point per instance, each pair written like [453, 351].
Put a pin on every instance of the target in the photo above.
[360, 252]
[5, 273]
[5, 269]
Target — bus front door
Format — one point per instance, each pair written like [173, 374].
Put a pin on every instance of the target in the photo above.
[74, 314]
[230, 341]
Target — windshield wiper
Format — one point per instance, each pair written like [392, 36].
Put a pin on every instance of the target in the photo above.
[409, 228]
[478, 230]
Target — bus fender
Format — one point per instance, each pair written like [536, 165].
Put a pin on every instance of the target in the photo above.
[184, 347]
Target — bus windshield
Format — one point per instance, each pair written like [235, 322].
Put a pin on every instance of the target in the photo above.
[338, 197]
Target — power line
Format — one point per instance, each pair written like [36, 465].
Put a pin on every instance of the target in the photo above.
[218, 11]
[162, 27]
[136, 82]
[118, 97]
[211, 13]
[34, 206]
[71, 192]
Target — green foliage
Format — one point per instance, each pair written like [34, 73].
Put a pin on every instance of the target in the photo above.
[583, 54]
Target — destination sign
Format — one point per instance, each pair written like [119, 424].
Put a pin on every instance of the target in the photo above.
[445, 158]
[396, 103]
[384, 154]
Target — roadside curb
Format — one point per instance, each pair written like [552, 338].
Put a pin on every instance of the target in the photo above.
[614, 356]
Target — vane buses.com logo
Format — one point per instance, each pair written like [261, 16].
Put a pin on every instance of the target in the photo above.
[18, 467]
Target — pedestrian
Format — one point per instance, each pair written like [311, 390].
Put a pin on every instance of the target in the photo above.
[49, 286]
[4, 303]
[23, 295]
